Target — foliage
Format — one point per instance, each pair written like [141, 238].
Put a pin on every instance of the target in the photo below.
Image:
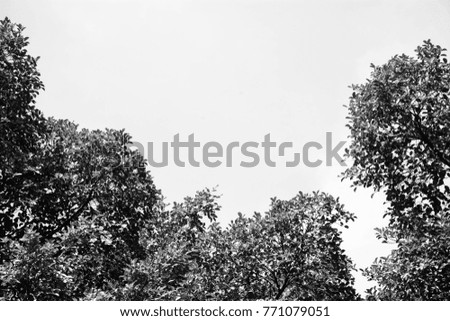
[418, 269]
[21, 124]
[71, 201]
[174, 241]
[80, 173]
[291, 253]
[35, 273]
[85, 202]
[400, 125]
[80, 219]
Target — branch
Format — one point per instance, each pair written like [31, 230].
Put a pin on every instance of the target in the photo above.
[77, 213]
[283, 287]
[428, 143]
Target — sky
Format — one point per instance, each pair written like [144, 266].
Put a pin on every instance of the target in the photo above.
[228, 71]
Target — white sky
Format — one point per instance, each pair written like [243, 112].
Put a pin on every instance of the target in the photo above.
[227, 71]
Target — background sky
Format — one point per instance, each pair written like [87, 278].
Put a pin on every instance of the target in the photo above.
[227, 71]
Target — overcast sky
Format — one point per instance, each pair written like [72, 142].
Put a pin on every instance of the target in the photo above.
[227, 71]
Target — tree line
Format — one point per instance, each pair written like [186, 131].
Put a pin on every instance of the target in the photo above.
[81, 218]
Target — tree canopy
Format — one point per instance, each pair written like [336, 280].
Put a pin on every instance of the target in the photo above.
[291, 253]
[81, 219]
[400, 144]
[22, 125]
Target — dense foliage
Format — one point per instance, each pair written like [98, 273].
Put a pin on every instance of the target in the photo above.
[400, 130]
[80, 216]
[80, 219]
[290, 253]
[22, 125]
[72, 203]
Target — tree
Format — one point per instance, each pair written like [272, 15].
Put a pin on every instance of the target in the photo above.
[72, 200]
[177, 241]
[51, 173]
[86, 203]
[81, 219]
[21, 124]
[291, 253]
[400, 143]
